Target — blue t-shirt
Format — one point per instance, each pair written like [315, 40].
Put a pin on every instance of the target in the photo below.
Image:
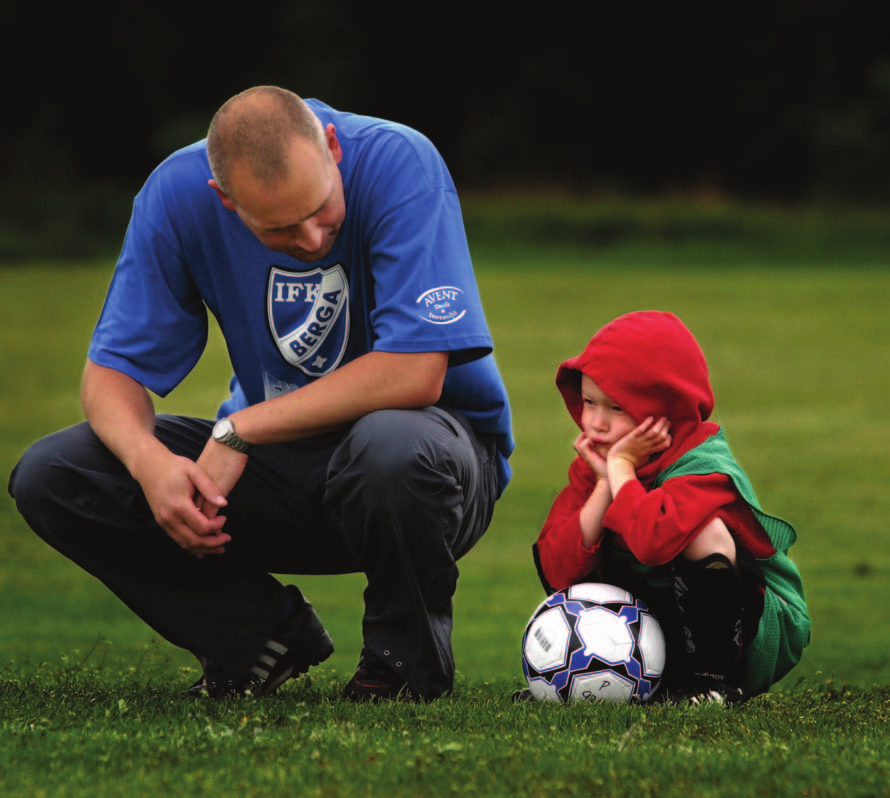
[398, 279]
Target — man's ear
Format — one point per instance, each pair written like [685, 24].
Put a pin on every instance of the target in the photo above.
[330, 134]
[223, 197]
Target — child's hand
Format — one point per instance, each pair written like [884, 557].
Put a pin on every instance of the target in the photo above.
[597, 463]
[642, 442]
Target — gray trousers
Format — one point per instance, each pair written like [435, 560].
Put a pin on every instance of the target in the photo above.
[400, 496]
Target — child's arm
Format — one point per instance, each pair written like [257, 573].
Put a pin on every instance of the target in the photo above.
[563, 557]
[591, 514]
[658, 525]
[568, 545]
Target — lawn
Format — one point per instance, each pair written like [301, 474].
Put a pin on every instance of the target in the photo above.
[90, 700]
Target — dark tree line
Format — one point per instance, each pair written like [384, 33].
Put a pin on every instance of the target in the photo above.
[782, 99]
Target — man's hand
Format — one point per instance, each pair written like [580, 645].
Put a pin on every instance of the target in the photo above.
[121, 413]
[181, 495]
[224, 466]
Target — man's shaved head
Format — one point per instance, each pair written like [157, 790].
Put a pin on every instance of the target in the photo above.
[255, 129]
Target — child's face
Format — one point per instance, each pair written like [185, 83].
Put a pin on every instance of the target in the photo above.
[602, 419]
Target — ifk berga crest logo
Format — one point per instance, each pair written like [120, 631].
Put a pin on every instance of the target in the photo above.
[308, 315]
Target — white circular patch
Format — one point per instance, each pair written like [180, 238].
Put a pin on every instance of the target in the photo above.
[442, 305]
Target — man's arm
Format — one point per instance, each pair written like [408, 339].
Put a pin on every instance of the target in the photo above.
[185, 496]
[374, 381]
[121, 413]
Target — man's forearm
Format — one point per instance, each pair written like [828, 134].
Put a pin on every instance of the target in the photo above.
[375, 381]
[120, 411]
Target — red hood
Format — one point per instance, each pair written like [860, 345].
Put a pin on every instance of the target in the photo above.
[651, 365]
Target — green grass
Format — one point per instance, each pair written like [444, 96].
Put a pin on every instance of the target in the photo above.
[90, 701]
[144, 739]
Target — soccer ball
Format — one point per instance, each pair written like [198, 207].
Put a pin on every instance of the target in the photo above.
[592, 642]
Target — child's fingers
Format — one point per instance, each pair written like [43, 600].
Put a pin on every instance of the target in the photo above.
[663, 436]
[644, 426]
[653, 435]
[658, 429]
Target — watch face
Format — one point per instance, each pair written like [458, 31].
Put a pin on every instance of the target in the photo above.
[222, 428]
[224, 432]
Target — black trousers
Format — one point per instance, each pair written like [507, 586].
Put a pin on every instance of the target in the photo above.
[400, 496]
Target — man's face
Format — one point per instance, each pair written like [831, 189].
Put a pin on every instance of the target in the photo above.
[301, 215]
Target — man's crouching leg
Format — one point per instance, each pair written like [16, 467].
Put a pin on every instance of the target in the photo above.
[80, 499]
[414, 490]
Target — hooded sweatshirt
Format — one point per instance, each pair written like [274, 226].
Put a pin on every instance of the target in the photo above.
[651, 365]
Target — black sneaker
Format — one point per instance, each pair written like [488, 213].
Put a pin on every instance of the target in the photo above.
[212, 686]
[699, 689]
[296, 644]
[375, 681]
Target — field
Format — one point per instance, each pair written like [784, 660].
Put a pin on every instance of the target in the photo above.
[90, 700]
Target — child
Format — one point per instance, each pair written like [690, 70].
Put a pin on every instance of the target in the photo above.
[657, 504]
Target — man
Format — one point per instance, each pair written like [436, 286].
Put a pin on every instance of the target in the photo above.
[367, 428]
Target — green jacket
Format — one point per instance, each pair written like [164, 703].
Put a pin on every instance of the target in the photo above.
[784, 629]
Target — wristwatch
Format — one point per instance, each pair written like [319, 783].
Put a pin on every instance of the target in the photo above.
[224, 432]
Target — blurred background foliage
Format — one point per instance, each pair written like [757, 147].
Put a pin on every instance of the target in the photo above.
[779, 101]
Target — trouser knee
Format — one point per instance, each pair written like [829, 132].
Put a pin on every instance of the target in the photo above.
[409, 473]
[69, 483]
[37, 478]
[394, 445]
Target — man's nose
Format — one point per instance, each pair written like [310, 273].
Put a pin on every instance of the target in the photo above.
[311, 238]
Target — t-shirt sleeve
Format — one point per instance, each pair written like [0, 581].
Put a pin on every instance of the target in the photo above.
[153, 325]
[426, 297]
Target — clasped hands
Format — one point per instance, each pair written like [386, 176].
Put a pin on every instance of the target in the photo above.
[186, 496]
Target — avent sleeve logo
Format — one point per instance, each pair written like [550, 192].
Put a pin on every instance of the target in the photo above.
[442, 305]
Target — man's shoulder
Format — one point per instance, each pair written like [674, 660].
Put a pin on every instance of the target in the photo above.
[357, 125]
[188, 161]
[374, 140]
[180, 178]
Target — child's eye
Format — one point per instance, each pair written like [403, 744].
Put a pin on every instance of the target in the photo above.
[616, 409]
